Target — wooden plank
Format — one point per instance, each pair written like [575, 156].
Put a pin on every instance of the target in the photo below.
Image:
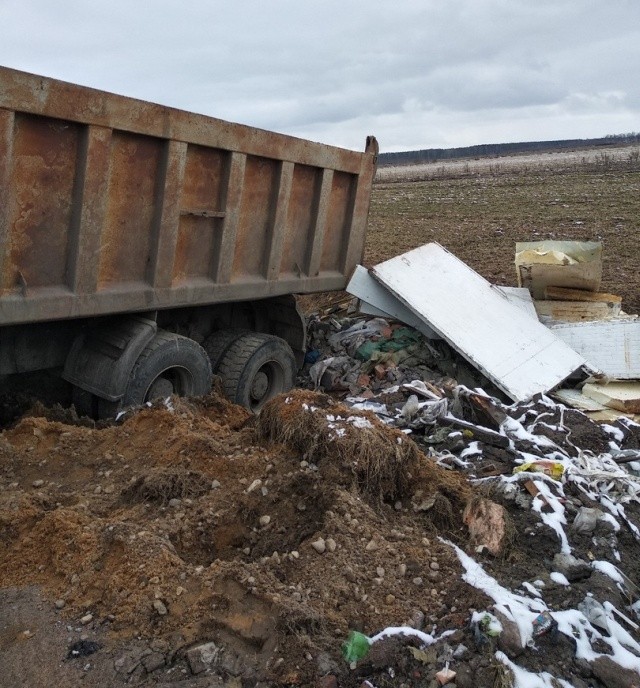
[564, 294]
[383, 302]
[517, 353]
[612, 346]
[622, 396]
[534, 491]
[577, 311]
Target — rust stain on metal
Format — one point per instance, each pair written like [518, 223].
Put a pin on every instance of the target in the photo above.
[42, 180]
[109, 204]
[126, 237]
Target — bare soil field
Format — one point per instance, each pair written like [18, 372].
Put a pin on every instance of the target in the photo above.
[479, 209]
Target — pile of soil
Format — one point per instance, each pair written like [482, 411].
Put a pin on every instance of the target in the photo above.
[192, 544]
[188, 524]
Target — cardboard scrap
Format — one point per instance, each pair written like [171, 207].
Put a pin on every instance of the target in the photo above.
[572, 264]
[622, 396]
[577, 311]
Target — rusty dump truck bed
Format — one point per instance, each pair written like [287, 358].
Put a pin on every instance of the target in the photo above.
[109, 204]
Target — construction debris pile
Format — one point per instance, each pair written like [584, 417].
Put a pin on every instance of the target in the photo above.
[418, 516]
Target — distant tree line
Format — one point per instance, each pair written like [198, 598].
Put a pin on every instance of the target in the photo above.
[499, 149]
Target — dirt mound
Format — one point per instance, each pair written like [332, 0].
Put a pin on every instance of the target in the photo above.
[196, 545]
[343, 442]
[185, 524]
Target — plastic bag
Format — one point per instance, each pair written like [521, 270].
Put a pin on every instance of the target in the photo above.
[356, 647]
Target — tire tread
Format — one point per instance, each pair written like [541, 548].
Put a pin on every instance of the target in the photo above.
[235, 360]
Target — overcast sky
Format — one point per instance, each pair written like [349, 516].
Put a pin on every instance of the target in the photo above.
[416, 73]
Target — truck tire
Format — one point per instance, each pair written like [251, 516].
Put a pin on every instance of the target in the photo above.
[256, 368]
[85, 403]
[92, 406]
[217, 344]
[169, 364]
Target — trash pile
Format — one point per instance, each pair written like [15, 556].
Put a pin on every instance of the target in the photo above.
[542, 465]
[548, 474]
[402, 521]
[554, 334]
[564, 280]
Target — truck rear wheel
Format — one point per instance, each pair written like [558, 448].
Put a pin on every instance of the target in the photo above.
[169, 364]
[217, 344]
[85, 403]
[256, 368]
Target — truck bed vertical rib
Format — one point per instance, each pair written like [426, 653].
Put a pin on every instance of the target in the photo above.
[279, 225]
[90, 207]
[7, 119]
[166, 224]
[233, 197]
[312, 268]
[355, 249]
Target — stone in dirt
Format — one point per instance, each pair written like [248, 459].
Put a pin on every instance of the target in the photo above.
[613, 675]
[160, 607]
[319, 545]
[509, 640]
[201, 657]
[153, 661]
[329, 681]
[572, 568]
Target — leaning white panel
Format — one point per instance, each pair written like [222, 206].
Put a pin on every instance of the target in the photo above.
[517, 353]
[377, 300]
[520, 297]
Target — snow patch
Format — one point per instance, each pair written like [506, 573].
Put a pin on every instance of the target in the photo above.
[559, 578]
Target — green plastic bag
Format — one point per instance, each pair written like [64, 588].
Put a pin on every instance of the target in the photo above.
[356, 647]
[402, 338]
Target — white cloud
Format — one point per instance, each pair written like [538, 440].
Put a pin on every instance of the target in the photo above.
[417, 73]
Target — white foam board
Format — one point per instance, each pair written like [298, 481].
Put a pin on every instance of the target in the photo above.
[376, 300]
[520, 297]
[516, 352]
[613, 346]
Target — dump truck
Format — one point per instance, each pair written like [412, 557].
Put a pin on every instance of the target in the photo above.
[144, 248]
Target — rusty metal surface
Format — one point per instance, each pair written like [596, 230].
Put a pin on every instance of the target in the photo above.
[42, 179]
[108, 205]
[39, 95]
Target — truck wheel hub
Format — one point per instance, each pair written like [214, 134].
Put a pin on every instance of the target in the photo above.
[259, 385]
[161, 388]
